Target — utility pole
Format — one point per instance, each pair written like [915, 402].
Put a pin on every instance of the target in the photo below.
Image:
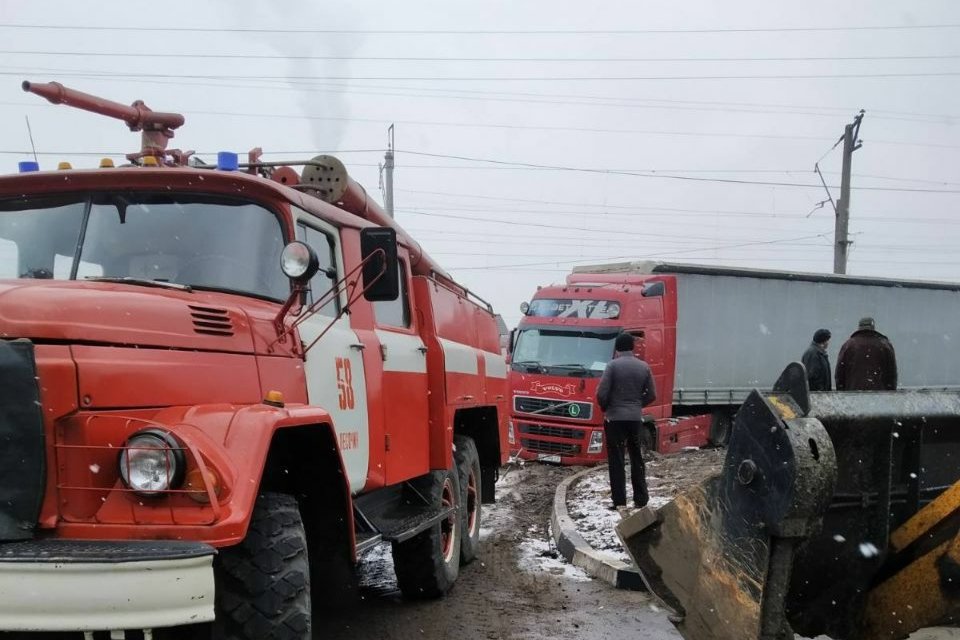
[388, 174]
[851, 143]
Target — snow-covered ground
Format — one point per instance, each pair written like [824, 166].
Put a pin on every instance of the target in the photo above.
[589, 498]
[537, 553]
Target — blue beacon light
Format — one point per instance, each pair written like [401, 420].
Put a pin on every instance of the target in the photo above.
[227, 161]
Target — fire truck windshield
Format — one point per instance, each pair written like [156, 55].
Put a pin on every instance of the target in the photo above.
[567, 352]
[205, 242]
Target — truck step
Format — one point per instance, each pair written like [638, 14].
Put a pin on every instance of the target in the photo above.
[401, 530]
[366, 541]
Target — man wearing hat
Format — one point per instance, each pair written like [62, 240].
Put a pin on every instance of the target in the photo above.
[816, 361]
[867, 361]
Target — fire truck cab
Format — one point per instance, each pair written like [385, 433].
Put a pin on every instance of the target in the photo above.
[221, 385]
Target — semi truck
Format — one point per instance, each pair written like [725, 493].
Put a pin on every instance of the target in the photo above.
[710, 335]
[222, 384]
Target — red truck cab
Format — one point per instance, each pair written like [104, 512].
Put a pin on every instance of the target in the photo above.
[560, 349]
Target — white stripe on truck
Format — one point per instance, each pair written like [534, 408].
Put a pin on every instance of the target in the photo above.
[496, 365]
[403, 352]
[459, 358]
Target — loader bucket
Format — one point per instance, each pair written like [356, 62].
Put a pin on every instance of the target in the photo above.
[831, 515]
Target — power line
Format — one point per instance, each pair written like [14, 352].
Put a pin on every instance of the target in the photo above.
[254, 56]
[462, 32]
[526, 97]
[755, 107]
[629, 257]
[484, 125]
[537, 78]
[665, 175]
[701, 259]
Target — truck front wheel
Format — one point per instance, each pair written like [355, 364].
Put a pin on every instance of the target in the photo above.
[428, 564]
[468, 471]
[263, 583]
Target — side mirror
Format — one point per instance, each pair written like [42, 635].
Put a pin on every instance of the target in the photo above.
[378, 250]
[299, 262]
[513, 340]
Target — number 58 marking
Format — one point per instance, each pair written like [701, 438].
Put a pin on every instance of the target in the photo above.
[345, 384]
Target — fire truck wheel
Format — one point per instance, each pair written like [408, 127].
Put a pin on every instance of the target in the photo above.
[428, 564]
[468, 471]
[263, 583]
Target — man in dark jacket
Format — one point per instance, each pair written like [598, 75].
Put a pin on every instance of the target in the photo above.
[625, 389]
[867, 361]
[816, 361]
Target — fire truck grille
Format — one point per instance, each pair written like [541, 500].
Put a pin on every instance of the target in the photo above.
[211, 321]
[543, 446]
[557, 408]
[551, 431]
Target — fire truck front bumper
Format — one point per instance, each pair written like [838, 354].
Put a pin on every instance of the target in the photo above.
[74, 585]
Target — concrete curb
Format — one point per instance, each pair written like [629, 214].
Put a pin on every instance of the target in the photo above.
[579, 553]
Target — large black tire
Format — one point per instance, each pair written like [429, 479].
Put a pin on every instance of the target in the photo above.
[468, 473]
[720, 425]
[263, 583]
[428, 564]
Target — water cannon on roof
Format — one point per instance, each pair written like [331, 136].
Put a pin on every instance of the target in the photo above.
[157, 127]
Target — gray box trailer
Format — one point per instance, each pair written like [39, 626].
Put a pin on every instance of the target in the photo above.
[738, 328]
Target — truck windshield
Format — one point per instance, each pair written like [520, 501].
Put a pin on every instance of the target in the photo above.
[577, 353]
[205, 242]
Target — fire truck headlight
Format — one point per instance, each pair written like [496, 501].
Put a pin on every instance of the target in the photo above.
[299, 261]
[152, 462]
[596, 442]
[511, 436]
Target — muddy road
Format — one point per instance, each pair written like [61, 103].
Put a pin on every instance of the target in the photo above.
[516, 589]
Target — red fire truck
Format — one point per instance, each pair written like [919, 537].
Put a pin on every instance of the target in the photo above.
[710, 335]
[221, 385]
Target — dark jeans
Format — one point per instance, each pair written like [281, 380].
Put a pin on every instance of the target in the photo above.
[620, 435]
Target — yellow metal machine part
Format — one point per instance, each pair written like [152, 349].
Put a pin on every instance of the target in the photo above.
[924, 590]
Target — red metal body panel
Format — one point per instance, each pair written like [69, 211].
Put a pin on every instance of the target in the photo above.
[57, 375]
[233, 440]
[405, 406]
[125, 377]
[656, 317]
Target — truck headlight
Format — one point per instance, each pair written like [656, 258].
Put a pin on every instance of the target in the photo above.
[151, 462]
[596, 442]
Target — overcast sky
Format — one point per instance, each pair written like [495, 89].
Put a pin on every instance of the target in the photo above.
[639, 103]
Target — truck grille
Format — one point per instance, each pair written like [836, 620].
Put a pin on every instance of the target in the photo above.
[548, 430]
[557, 408]
[543, 446]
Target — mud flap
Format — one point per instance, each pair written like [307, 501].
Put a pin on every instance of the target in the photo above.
[720, 555]
[22, 453]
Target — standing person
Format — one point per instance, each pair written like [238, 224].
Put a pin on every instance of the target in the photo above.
[625, 389]
[867, 361]
[817, 362]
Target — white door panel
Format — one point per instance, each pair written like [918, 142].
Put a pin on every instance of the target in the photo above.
[335, 381]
